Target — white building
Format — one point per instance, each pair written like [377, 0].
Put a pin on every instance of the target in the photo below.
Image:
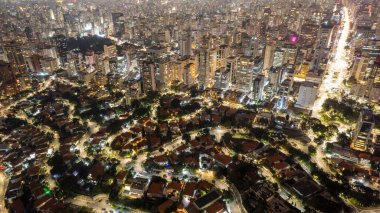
[307, 95]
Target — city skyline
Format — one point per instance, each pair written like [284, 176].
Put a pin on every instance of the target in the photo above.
[189, 106]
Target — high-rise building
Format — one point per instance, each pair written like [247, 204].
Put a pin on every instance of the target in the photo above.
[8, 83]
[6, 73]
[49, 65]
[290, 53]
[204, 69]
[185, 44]
[360, 68]
[326, 34]
[307, 95]
[60, 41]
[269, 55]
[15, 57]
[258, 88]
[170, 71]
[190, 73]
[362, 134]
[118, 24]
[275, 78]
[148, 76]
[34, 63]
[244, 74]
[278, 58]
[110, 51]
[231, 67]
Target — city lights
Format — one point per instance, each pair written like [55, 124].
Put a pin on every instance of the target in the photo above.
[221, 106]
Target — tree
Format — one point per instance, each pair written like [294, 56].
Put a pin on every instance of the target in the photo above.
[58, 165]
[329, 147]
[226, 138]
[311, 150]
[152, 95]
[176, 103]
[135, 104]
[260, 133]
[206, 131]
[343, 139]
[351, 81]
[220, 172]
[227, 195]
[186, 137]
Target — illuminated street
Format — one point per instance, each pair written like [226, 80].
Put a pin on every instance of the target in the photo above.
[212, 106]
[339, 64]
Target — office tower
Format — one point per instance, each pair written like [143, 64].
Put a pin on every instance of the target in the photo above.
[307, 95]
[362, 134]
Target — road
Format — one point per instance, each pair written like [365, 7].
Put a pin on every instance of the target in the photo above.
[3, 190]
[54, 145]
[338, 65]
[284, 194]
[98, 205]
[375, 210]
[236, 204]
[47, 83]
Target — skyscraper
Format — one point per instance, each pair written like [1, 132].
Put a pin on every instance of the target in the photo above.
[269, 55]
[362, 134]
[147, 76]
[34, 63]
[185, 44]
